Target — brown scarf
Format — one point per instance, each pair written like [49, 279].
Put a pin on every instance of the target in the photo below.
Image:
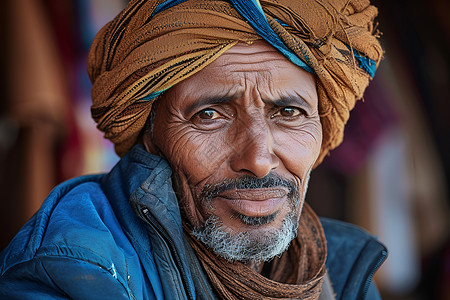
[297, 274]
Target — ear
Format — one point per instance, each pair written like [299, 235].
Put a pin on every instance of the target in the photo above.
[148, 144]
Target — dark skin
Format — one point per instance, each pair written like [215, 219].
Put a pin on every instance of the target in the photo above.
[250, 112]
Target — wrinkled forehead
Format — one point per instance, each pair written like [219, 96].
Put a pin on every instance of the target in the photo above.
[255, 70]
[251, 53]
[256, 59]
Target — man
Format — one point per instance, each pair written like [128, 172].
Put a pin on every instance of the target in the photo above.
[219, 110]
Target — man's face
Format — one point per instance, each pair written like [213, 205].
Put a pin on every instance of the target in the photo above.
[241, 136]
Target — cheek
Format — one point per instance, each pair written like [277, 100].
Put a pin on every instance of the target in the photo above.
[298, 149]
[196, 155]
[195, 158]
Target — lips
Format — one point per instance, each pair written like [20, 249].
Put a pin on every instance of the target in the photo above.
[253, 202]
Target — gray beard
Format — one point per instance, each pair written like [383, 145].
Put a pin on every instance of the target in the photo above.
[252, 245]
[247, 246]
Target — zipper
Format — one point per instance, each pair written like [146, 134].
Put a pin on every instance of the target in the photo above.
[175, 255]
[380, 260]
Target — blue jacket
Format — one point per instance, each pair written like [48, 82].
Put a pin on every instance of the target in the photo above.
[88, 242]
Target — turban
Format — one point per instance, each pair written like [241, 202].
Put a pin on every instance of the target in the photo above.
[152, 45]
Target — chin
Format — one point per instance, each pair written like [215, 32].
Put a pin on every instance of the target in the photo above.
[257, 239]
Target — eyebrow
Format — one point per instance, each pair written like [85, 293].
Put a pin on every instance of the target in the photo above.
[202, 102]
[280, 102]
[289, 101]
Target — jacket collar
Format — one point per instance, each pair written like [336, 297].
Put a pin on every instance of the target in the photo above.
[140, 190]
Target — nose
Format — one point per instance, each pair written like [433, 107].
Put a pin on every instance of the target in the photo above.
[253, 151]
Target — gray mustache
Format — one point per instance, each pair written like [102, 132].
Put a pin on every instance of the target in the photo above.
[250, 182]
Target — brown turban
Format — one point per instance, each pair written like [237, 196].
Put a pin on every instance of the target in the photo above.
[148, 48]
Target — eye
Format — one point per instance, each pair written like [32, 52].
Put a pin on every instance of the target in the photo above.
[207, 114]
[209, 119]
[288, 111]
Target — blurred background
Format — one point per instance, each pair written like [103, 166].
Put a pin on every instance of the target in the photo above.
[390, 176]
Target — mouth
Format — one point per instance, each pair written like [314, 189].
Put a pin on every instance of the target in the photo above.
[249, 204]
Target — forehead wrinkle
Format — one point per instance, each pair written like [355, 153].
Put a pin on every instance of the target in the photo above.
[252, 54]
[254, 80]
[256, 66]
[265, 83]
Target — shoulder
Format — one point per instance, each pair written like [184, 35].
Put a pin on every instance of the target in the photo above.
[67, 202]
[353, 257]
[345, 236]
[75, 227]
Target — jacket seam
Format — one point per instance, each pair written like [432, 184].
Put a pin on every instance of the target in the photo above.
[100, 261]
[41, 260]
[105, 269]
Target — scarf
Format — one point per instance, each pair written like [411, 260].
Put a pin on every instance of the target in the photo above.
[154, 44]
[297, 274]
